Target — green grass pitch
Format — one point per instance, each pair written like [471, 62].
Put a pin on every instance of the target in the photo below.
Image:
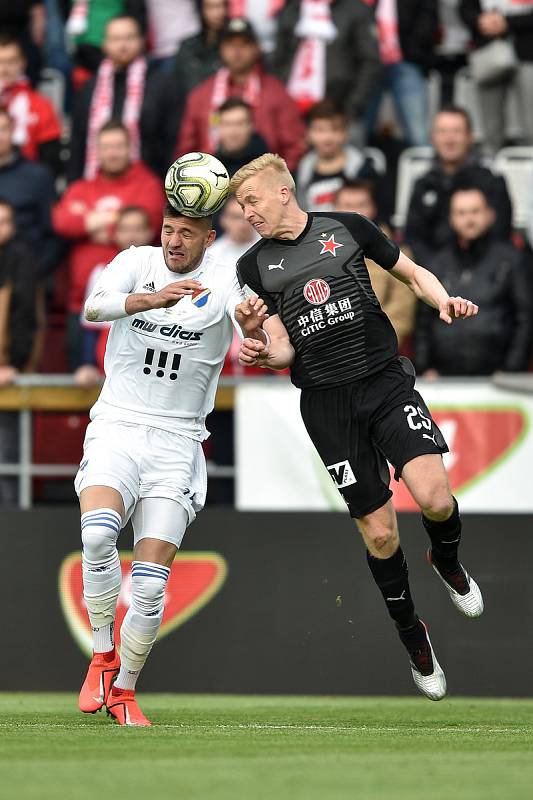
[268, 748]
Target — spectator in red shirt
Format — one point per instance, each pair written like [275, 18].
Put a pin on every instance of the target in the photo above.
[276, 115]
[37, 126]
[88, 212]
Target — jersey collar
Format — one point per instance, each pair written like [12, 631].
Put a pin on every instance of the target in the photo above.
[294, 242]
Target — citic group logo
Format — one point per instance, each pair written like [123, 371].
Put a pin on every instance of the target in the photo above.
[317, 291]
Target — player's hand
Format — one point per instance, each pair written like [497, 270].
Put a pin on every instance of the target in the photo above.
[457, 308]
[169, 296]
[251, 313]
[87, 376]
[252, 352]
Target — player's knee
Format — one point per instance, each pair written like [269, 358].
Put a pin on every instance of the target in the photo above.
[437, 503]
[379, 538]
[148, 588]
[99, 533]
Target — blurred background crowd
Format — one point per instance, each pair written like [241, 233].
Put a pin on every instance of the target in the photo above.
[417, 114]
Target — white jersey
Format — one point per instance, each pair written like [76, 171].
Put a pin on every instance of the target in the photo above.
[162, 365]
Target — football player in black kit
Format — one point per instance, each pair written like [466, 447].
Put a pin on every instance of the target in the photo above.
[358, 400]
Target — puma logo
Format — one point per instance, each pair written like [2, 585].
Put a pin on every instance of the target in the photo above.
[401, 597]
[217, 176]
[432, 438]
[276, 266]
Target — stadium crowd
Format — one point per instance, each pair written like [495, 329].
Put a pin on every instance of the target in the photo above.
[97, 97]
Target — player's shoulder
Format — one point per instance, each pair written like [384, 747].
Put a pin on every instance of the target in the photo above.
[357, 225]
[248, 261]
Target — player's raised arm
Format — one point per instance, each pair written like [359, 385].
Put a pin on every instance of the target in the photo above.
[430, 290]
[113, 298]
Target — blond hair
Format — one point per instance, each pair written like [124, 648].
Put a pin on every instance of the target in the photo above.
[266, 161]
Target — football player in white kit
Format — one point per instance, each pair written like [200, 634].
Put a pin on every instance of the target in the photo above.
[143, 454]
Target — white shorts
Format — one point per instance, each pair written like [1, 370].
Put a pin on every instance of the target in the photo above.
[139, 461]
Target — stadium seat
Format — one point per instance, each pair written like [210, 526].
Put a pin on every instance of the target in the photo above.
[413, 162]
[516, 166]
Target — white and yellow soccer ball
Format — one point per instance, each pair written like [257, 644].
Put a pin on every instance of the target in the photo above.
[197, 184]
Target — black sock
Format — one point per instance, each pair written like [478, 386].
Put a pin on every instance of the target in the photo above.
[445, 537]
[391, 575]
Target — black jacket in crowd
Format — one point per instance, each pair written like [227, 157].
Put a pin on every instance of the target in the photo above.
[520, 28]
[196, 61]
[161, 111]
[418, 22]
[492, 274]
[427, 227]
[29, 187]
[18, 270]
[353, 65]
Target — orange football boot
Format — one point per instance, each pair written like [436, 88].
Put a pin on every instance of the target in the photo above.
[102, 671]
[122, 705]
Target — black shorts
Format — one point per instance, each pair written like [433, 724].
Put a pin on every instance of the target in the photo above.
[359, 426]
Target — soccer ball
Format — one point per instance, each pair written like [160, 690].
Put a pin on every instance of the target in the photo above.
[197, 185]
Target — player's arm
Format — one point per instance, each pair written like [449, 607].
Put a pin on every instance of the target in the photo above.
[113, 298]
[277, 354]
[427, 287]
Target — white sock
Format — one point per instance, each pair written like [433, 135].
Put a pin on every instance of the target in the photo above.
[141, 624]
[102, 575]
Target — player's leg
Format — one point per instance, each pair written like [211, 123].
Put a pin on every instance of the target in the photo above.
[153, 557]
[388, 566]
[102, 511]
[426, 479]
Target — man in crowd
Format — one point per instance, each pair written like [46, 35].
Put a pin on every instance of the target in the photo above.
[238, 141]
[147, 101]
[37, 128]
[358, 400]
[276, 116]
[88, 211]
[29, 186]
[475, 261]
[395, 299]
[20, 327]
[331, 161]
[428, 225]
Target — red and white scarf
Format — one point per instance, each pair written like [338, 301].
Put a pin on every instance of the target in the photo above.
[78, 19]
[16, 98]
[238, 8]
[307, 81]
[250, 92]
[102, 106]
[388, 32]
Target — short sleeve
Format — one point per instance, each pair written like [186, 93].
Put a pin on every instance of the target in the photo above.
[374, 243]
[248, 275]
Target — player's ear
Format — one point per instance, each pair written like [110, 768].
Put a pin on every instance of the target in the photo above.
[211, 236]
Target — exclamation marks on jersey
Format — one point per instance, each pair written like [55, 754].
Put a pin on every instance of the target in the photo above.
[161, 364]
[149, 360]
[176, 358]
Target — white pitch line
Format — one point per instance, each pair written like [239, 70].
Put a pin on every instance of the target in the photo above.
[267, 726]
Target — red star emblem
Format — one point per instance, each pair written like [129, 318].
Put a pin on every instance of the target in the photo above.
[329, 245]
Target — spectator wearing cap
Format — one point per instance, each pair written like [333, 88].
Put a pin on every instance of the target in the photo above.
[455, 163]
[475, 264]
[238, 141]
[87, 214]
[125, 88]
[198, 57]
[29, 187]
[37, 129]
[328, 50]
[276, 116]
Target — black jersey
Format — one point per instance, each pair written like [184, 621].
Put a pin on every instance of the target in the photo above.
[320, 287]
